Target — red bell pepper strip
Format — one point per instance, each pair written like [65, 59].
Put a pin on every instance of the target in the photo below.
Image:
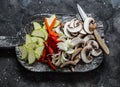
[50, 64]
[43, 56]
[50, 50]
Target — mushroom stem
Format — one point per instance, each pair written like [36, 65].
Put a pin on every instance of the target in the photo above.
[92, 26]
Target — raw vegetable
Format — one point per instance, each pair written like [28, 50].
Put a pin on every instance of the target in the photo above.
[31, 56]
[23, 51]
[28, 39]
[37, 40]
[38, 33]
[31, 45]
[39, 52]
[36, 25]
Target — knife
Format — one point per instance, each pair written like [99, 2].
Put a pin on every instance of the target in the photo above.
[97, 36]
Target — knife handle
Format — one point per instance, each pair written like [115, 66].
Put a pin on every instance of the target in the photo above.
[8, 41]
[101, 42]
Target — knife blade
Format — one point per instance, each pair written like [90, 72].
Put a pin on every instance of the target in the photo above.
[81, 12]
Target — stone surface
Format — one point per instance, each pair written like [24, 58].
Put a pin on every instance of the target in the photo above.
[12, 17]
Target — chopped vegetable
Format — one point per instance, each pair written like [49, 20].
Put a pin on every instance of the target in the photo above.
[31, 56]
[50, 63]
[28, 39]
[36, 25]
[38, 33]
[39, 52]
[23, 51]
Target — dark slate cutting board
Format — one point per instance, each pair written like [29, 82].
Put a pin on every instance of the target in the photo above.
[12, 16]
[40, 67]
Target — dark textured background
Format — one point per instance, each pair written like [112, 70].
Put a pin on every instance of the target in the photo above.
[12, 16]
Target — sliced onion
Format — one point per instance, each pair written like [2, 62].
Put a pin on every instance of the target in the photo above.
[63, 59]
[70, 51]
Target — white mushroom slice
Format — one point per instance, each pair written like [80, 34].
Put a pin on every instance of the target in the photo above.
[72, 23]
[76, 52]
[76, 41]
[76, 29]
[85, 54]
[71, 62]
[76, 22]
[83, 31]
[96, 52]
[87, 23]
[93, 43]
[65, 29]
[89, 37]
[81, 36]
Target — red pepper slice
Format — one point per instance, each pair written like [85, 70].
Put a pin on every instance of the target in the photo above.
[43, 56]
[50, 50]
[50, 64]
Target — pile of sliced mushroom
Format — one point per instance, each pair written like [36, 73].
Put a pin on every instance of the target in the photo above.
[78, 43]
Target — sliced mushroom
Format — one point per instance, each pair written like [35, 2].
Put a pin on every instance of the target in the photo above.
[77, 58]
[85, 54]
[75, 29]
[67, 63]
[76, 52]
[65, 29]
[71, 62]
[74, 26]
[93, 43]
[95, 51]
[72, 68]
[76, 41]
[83, 31]
[87, 24]
[74, 34]
[89, 37]
[81, 35]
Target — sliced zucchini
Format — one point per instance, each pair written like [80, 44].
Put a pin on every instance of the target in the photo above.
[34, 39]
[45, 33]
[28, 39]
[36, 25]
[32, 45]
[44, 27]
[38, 33]
[37, 40]
[23, 51]
[31, 56]
[39, 52]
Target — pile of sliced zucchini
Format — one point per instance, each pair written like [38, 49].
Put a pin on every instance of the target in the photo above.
[34, 44]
